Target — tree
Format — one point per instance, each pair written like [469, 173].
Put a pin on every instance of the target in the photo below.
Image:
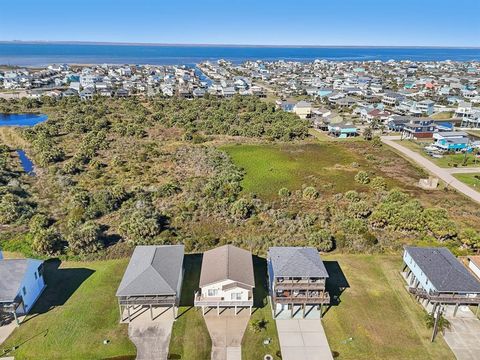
[85, 239]
[322, 240]
[439, 224]
[47, 241]
[368, 133]
[141, 226]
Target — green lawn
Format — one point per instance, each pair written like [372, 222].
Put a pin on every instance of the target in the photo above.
[270, 167]
[252, 343]
[472, 180]
[447, 160]
[76, 312]
[190, 338]
[376, 317]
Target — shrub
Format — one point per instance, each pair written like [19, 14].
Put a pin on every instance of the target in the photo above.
[310, 193]
[85, 239]
[362, 177]
[284, 193]
[322, 240]
[359, 209]
[378, 183]
[47, 241]
[242, 209]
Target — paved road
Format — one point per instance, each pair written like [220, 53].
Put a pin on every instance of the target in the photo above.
[444, 174]
[303, 339]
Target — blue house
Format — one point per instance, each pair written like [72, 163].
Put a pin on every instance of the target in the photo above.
[451, 141]
[342, 130]
[21, 283]
[435, 276]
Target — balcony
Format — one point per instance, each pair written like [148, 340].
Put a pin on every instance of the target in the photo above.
[302, 298]
[444, 298]
[146, 300]
[200, 300]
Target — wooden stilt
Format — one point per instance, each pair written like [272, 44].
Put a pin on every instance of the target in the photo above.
[478, 309]
[173, 312]
[16, 318]
[321, 310]
[218, 310]
[291, 311]
[250, 311]
[455, 311]
[235, 310]
[151, 312]
[128, 310]
[203, 310]
[303, 311]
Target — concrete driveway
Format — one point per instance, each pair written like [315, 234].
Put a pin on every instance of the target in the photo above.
[464, 335]
[303, 339]
[226, 332]
[7, 328]
[151, 338]
[444, 174]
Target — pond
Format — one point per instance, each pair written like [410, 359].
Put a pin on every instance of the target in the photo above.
[27, 164]
[21, 119]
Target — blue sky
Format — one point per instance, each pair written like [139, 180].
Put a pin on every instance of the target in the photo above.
[256, 22]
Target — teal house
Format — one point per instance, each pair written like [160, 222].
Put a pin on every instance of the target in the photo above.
[342, 131]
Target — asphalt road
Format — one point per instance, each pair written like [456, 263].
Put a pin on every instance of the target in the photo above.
[441, 173]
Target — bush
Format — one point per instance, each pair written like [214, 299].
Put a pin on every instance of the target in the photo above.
[322, 240]
[378, 183]
[242, 209]
[47, 241]
[85, 239]
[284, 193]
[359, 209]
[362, 177]
[310, 193]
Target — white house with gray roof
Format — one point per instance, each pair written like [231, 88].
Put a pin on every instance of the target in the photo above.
[153, 278]
[21, 283]
[297, 278]
[436, 276]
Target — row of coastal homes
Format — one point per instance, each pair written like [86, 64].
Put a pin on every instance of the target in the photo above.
[154, 275]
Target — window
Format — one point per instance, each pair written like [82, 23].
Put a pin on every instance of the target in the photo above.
[236, 296]
[24, 291]
[212, 292]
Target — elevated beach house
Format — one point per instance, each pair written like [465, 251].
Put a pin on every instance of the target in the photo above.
[226, 279]
[153, 279]
[297, 279]
[21, 283]
[436, 277]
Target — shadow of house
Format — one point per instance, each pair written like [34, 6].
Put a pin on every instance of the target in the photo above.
[260, 292]
[336, 283]
[61, 284]
[192, 265]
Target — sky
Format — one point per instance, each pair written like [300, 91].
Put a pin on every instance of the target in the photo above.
[252, 22]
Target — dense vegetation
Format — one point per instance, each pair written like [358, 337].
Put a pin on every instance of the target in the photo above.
[115, 173]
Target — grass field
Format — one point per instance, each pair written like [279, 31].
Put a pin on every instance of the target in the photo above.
[376, 317]
[472, 180]
[190, 338]
[270, 167]
[252, 344]
[447, 160]
[76, 312]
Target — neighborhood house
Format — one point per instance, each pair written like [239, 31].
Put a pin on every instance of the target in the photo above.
[226, 279]
[297, 279]
[21, 283]
[153, 279]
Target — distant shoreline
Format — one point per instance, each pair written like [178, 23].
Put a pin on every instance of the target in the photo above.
[106, 43]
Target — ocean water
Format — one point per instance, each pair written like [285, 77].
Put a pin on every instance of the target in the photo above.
[21, 119]
[43, 54]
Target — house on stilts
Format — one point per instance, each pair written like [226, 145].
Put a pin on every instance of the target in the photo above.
[437, 278]
[152, 280]
[297, 282]
[226, 280]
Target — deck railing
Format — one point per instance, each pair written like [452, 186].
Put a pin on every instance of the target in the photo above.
[302, 299]
[200, 300]
[147, 300]
[443, 297]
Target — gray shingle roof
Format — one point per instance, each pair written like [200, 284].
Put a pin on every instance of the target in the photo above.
[153, 270]
[296, 262]
[12, 273]
[227, 263]
[443, 270]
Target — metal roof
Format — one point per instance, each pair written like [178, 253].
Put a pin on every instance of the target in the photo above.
[296, 262]
[227, 263]
[153, 270]
[444, 271]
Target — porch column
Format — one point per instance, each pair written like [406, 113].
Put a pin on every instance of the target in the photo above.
[303, 311]
[478, 310]
[121, 312]
[174, 312]
[128, 310]
[291, 311]
[321, 310]
[16, 318]
[250, 310]
[235, 310]
[203, 310]
[218, 309]
[151, 312]
[455, 310]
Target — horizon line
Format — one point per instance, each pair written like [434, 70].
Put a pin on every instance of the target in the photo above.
[100, 43]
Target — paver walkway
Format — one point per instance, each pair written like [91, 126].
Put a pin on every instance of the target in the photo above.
[464, 335]
[151, 338]
[436, 170]
[226, 332]
[303, 339]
